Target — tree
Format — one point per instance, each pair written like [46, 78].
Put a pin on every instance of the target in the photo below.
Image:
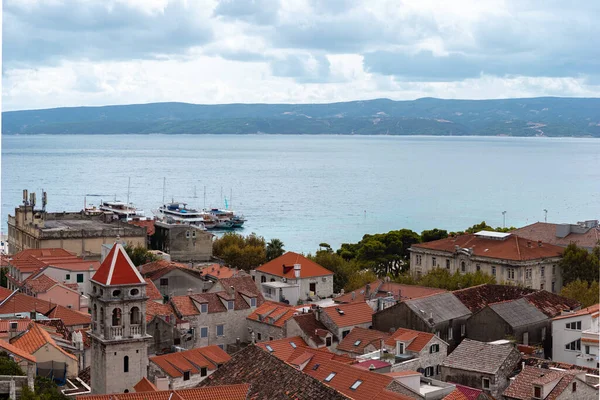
[360, 279]
[242, 252]
[443, 279]
[582, 291]
[578, 263]
[140, 255]
[8, 366]
[433, 234]
[342, 269]
[274, 249]
[44, 389]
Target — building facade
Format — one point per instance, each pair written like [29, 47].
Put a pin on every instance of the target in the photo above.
[509, 258]
[575, 337]
[183, 243]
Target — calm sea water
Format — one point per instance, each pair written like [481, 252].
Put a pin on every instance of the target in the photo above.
[311, 189]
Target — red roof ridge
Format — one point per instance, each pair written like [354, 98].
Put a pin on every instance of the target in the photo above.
[117, 269]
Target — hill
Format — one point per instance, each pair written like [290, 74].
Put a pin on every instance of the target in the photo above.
[543, 116]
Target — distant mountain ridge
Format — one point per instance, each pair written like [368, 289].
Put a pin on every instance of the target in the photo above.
[541, 116]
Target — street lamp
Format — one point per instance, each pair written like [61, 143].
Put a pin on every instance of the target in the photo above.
[504, 219]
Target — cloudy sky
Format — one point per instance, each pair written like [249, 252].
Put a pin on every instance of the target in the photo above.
[86, 52]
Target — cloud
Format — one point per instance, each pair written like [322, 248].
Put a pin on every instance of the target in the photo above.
[261, 12]
[303, 68]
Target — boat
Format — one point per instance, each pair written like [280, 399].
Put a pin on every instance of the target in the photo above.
[180, 213]
[236, 221]
[122, 210]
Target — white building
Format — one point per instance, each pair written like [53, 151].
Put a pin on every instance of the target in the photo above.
[575, 337]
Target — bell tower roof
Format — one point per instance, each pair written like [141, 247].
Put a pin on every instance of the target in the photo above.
[117, 269]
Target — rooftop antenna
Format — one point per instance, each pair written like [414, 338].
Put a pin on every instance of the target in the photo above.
[195, 196]
[504, 219]
[127, 205]
[545, 215]
[44, 200]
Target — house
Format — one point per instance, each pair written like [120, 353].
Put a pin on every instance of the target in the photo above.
[147, 391]
[268, 322]
[543, 383]
[214, 272]
[516, 319]
[361, 341]
[166, 329]
[293, 277]
[25, 360]
[183, 242]
[173, 279]
[575, 337]
[442, 314]
[10, 328]
[152, 292]
[467, 393]
[314, 333]
[185, 369]
[416, 386]
[584, 234]
[509, 258]
[481, 365]
[220, 318]
[341, 319]
[67, 295]
[275, 379]
[51, 359]
[71, 319]
[382, 289]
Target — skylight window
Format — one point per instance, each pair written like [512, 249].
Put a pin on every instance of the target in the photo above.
[357, 342]
[316, 367]
[356, 385]
[340, 311]
[330, 377]
[293, 344]
[269, 348]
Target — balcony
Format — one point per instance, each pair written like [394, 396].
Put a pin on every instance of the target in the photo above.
[135, 330]
[116, 332]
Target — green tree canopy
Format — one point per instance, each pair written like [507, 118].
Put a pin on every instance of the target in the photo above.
[578, 263]
[8, 366]
[274, 249]
[433, 234]
[443, 279]
[242, 252]
[139, 255]
[582, 291]
[342, 269]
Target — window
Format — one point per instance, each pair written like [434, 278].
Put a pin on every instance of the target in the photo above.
[204, 308]
[478, 267]
[204, 332]
[587, 349]
[433, 261]
[434, 348]
[543, 271]
[510, 273]
[116, 317]
[259, 336]
[126, 364]
[193, 234]
[447, 264]
[542, 286]
[187, 234]
[134, 292]
[164, 281]
[186, 375]
[493, 271]
[574, 386]
[450, 333]
[135, 316]
[116, 293]
[463, 266]
[176, 341]
[574, 346]
[67, 277]
[485, 383]
[544, 333]
[221, 346]
[537, 392]
[220, 330]
[574, 325]
[345, 333]
[293, 344]
[253, 302]
[528, 273]
[356, 385]
[463, 330]
[553, 287]
[270, 338]
[357, 342]
[79, 278]
[438, 369]
[330, 377]
[328, 341]
[203, 371]
[400, 348]
[429, 371]
[230, 305]
[316, 367]
[312, 287]
[418, 259]
[554, 270]
[263, 279]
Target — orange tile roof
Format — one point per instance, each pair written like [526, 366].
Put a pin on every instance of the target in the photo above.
[36, 337]
[274, 314]
[311, 327]
[584, 311]
[223, 392]
[152, 291]
[184, 305]
[155, 269]
[546, 232]
[117, 269]
[512, 248]
[379, 288]
[16, 351]
[153, 308]
[402, 373]
[22, 324]
[359, 338]
[144, 385]
[353, 314]
[418, 339]
[144, 223]
[175, 364]
[521, 386]
[282, 348]
[20, 302]
[283, 266]
[70, 317]
[40, 284]
[456, 395]
[219, 271]
[4, 293]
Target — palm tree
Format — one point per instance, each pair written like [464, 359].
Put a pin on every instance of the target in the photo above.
[274, 249]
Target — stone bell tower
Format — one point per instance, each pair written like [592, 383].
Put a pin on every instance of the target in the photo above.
[119, 339]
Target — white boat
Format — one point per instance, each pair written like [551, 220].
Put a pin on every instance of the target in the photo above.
[179, 213]
[228, 218]
[122, 210]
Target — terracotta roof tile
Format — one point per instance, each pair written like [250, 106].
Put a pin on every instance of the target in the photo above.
[359, 338]
[379, 288]
[367, 364]
[218, 271]
[69, 317]
[36, 337]
[4, 293]
[402, 373]
[17, 351]
[542, 363]
[225, 392]
[353, 314]
[512, 248]
[155, 269]
[282, 348]
[144, 223]
[584, 311]
[117, 269]
[20, 302]
[311, 327]
[546, 232]
[469, 392]
[184, 305]
[145, 385]
[477, 297]
[153, 308]
[418, 340]
[522, 385]
[283, 266]
[456, 395]
[175, 364]
[152, 291]
[269, 378]
[551, 304]
[22, 324]
[273, 314]
[244, 285]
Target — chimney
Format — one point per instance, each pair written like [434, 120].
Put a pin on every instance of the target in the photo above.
[381, 349]
[231, 290]
[431, 318]
[297, 268]
[190, 291]
[353, 295]
[368, 291]
[318, 313]
[529, 243]
[539, 243]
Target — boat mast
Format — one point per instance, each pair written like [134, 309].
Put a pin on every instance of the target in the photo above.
[205, 197]
[164, 184]
[230, 197]
[127, 205]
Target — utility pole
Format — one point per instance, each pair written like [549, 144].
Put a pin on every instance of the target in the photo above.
[504, 219]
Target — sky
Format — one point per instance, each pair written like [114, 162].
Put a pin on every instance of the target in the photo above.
[59, 53]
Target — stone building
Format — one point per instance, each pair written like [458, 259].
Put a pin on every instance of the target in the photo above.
[186, 369]
[268, 322]
[184, 243]
[575, 337]
[584, 234]
[441, 314]
[118, 335]
[509, 258]
[314, 333]
[481, 365]
[174, 279]
[76, 232]
[292, 277]
[342, 318]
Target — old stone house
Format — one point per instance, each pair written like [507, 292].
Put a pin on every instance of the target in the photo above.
[183, 242]
[342, 318]
[186, 369]
[174, 279]
[314, 333]
[268, 322]
[441, 314]
[481, 365]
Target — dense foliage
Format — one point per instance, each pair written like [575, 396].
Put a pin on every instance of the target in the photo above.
[8, 366]
[584, 292]
[578, 263]
[44, 389]
[242, 252]
[443, 279]
[274, 249]
[428, 116]
[139, 255]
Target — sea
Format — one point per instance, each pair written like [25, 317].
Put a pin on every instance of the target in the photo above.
[306, 189]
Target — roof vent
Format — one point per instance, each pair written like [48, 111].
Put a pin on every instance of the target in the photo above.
[340, 311]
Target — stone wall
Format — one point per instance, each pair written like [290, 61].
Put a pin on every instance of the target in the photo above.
[266, 331]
